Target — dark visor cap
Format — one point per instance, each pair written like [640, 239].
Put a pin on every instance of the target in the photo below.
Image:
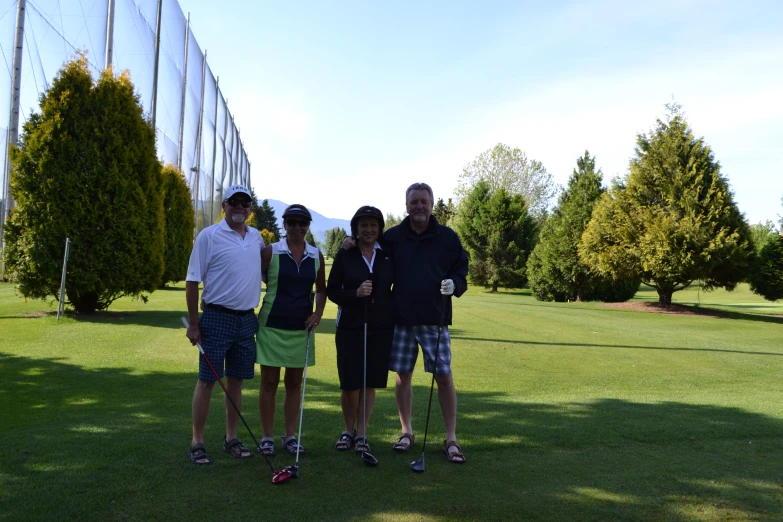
[366, 211]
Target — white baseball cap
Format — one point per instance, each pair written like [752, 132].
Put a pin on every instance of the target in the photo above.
[235, 189]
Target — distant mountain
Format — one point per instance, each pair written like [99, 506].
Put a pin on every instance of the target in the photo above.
[320, 223]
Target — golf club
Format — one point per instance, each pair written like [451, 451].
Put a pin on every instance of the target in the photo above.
[418, 464]
[277, 476]
[367, 457]
[294, 470]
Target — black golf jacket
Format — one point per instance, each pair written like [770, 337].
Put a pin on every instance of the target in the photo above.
[348, 272]
[421, 262]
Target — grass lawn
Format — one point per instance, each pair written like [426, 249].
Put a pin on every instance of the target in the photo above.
[567, 411]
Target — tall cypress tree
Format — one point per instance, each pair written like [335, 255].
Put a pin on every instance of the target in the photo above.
[87, 169]
[178, 213]
[672, 220]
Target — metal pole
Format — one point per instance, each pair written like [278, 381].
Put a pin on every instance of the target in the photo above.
[198, 141]
[13, 122]
[61, 305]
[109, 36]
[225, 151]
[153, 110]
[184, 96]
[214, 153]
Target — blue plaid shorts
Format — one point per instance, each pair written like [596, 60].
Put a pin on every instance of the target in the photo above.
[405, 349]
[229, 339]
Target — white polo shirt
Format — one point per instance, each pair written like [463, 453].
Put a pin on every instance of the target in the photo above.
[228, 265]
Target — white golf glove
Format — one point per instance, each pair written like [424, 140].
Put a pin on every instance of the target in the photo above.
[447, 287]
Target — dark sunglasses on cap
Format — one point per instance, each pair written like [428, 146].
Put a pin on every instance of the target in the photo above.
[235, 202]
[294, 222]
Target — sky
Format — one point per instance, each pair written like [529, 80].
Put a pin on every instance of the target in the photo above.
[342, 104]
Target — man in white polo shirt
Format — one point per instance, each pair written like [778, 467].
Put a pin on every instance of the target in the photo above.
[227, 259]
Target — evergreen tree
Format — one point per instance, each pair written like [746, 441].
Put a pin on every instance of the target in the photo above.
[267, 236]
[392, 220]
[178, 214]
[766, 278]
[265, 218]
[498, 233]
[443, 212]
[87, 169]
[334, 241]
[672, 220]
[555, 271]
[309, 238]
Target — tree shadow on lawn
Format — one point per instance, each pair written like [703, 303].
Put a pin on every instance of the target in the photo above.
[111, 444]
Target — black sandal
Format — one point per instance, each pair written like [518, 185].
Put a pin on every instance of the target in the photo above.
[361, 445]
[267, 447]
[198, 455]
[402, 447]
[345, 442]
[292, 446]
[457, 457]
[236, 449]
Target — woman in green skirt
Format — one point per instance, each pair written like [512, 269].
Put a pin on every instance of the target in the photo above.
[290, 269]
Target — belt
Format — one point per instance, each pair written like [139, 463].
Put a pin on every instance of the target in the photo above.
[223, 309]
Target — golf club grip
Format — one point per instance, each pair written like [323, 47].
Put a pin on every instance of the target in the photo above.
[187, 325]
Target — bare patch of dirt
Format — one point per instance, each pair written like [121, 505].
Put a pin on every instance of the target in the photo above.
[649, 306]
[39, 314]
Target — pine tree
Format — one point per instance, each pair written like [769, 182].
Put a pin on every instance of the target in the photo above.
[265, 218]
[672, 220]
[498, 233]
[554, 269]
[443, 212]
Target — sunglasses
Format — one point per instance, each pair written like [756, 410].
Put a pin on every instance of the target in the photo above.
[294, 222]
[234, 202]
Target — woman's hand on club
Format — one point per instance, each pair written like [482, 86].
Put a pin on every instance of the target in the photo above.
[365, 289]
[312, 322]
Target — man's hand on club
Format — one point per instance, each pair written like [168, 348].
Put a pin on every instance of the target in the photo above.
[447, 287]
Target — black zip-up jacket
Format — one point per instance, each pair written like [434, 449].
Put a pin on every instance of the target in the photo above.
[348, 272]
[421, 262]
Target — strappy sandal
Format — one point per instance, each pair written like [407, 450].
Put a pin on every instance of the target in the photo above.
[198, 455]
[402, 447]
[457, 457]
[292, 446]
[345, 442]
[361, 445]
[267, 447]
[236, 449]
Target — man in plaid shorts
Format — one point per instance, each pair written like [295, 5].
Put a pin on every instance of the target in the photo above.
[227, 259]
[429, 263]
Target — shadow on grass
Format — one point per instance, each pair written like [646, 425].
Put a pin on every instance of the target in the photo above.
[110, 444]
[457, 336]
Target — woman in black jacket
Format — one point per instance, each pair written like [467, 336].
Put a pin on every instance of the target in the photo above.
[360, 282]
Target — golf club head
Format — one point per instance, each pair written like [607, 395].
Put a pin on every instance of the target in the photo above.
[418, 465]
[278, 477]
[369, 459]
[293, 471]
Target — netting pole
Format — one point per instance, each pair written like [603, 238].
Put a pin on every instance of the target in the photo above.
[184, 96]
[198, 140]
[214, 154]
[153, 109]
[109, 36]
[13, 123]
[248, 171]
[225, 151]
